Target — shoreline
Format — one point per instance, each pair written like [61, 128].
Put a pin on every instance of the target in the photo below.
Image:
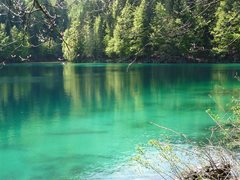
[129, 60]
[127, 63]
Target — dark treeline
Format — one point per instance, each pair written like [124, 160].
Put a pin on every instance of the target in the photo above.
[91, 30]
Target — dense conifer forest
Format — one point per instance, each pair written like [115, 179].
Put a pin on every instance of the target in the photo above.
[120, 30]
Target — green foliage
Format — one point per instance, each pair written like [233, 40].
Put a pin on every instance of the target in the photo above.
[49, 47]
[76, 11]
[71, 44]
[176, 161]
[20, 40]
[160, 29]
[98, 37]
[227, 30]
[120, 43]
[227, 130]
[4, 41]
[107, 36]
[88, 38]
[164, 28]
[139, 29]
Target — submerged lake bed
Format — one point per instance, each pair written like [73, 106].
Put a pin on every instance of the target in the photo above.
[79, 121]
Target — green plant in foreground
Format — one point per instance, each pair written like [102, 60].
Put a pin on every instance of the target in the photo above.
[217, 159]
[171, 161]
[227, 133]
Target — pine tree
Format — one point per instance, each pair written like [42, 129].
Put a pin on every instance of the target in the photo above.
[71, 46]
[227, 32]
[4, 43]
[88, 38]
[120, 43]
[98, 37]
[139, 30]
[163, 37]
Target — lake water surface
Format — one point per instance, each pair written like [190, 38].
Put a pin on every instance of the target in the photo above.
[78, 121]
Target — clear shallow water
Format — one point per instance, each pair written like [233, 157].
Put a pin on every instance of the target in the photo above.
[77, 121]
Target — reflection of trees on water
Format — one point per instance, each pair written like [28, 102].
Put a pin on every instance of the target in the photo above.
[30, 93]
[224, 87]
[37, 93]
[102, 88]
[132, 95]
[111, 86]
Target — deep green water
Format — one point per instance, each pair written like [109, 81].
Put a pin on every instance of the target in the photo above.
[77, 121]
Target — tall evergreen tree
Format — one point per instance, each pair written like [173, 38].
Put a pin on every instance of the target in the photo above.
[71, 46]
[88, 38]
[4, 43]
[120, 43]
[227, 32]
[139, 30]
[98, 37]
[164, 38]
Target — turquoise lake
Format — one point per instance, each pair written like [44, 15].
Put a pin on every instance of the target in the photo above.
[77, 121]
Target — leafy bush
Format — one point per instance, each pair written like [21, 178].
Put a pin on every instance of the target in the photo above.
[217, 159]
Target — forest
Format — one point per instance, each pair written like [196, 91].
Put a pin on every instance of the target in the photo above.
[120, 30]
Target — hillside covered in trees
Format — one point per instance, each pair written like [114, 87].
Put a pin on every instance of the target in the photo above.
[96, 30]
